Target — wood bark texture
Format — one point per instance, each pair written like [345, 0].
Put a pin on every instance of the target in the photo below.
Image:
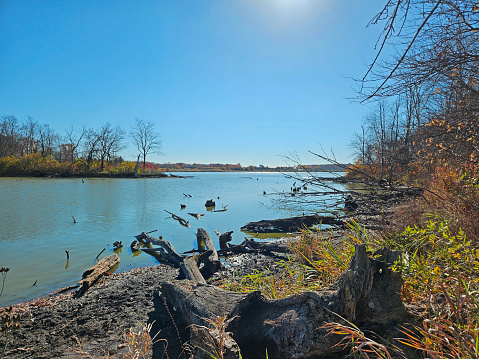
[292, 327]
[93, 274]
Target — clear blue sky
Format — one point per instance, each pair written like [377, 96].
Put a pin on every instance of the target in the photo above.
[231, 81]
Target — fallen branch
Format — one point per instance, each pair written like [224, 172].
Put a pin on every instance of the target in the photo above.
[93, 274]
[290, 225]
[182, 221]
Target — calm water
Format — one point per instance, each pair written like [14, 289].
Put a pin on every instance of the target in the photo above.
[36, 226]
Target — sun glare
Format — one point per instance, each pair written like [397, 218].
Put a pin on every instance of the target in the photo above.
[285, 13]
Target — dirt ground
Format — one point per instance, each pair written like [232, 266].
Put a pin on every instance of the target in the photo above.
[93, 326]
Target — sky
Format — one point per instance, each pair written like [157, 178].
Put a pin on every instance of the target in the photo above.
[224, 81]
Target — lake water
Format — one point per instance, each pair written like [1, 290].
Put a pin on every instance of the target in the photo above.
[36, 224]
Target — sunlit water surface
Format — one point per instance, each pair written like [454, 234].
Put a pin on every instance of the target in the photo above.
[36, 224]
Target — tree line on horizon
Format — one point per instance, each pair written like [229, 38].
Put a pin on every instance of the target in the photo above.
[30, 148]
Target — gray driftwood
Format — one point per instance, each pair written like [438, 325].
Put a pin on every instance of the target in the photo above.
[196, 215]
[252, 246]
[293, 327]
[93, 274]
[181, 220]
[211, 263]
[224, 238]
[189, 265]
[290, 225]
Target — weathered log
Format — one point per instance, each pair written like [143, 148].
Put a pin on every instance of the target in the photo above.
[188, 265]
[181, 220]
[135, 246]
[190, 270]
[224, 238]
[367, 292]
[290, 225]
[212, 263]
[144, 235]
[196, 215]
[250, 246]
[267, 246]
[166, 250]
[91, 275]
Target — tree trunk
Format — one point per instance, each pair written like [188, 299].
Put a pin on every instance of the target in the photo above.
[293, 327]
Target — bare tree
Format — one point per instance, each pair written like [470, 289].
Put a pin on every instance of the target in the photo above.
[9, 136]
[110, 142]
[145, 138]
[47, 140]
[90, 145]
[29, 134]
[74, 141]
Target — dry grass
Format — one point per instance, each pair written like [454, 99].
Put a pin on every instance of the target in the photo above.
[139, 345]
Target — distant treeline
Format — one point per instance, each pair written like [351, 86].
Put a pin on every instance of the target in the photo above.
[28, 148]
[170, 167]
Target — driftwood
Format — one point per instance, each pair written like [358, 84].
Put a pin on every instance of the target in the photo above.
[182, 221]
[224, 238]
[290, 225]
[196, 215]
[189, 265]
[91, 275]
[211, 262]
[165, 251]
[367, 292]
[251, 246]
[135, 245]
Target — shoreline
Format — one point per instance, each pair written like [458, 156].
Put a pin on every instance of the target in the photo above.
[61, 326]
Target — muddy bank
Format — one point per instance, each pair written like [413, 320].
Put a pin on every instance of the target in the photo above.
[53, 327]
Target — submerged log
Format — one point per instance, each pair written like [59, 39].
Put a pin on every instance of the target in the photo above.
[166, 250]
[196, 215]
[93, 274]
[135, 246]
[368, 291]
[210, 203]
[182, 221]
[290, 225]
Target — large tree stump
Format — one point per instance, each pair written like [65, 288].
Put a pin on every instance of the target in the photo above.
[292, 327]
[91, 275]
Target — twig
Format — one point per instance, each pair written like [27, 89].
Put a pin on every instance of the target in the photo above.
[100, 253]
